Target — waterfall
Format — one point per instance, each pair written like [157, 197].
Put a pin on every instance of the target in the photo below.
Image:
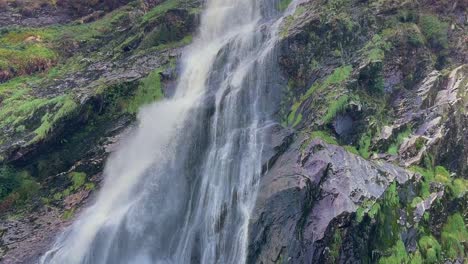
[181, 187]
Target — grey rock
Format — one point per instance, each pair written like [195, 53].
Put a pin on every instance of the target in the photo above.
[304, 191]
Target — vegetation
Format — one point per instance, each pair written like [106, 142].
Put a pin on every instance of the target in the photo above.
[15, 187]
[454, 236]
[394, 147]
[430, 249]
[435, 31]
[336, 78]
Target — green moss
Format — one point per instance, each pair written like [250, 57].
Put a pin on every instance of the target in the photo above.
[387, 219]
[335, 107]
[335, 246]
[430, 249]
[160, 9]
[394, 147]
[18, 186]
[375, 49]
[416, 258]
[435, 31]
[454, 236]
[78, 179]
[68, 214]
[337, 77]
[148, 91]
[397, 254]
[352, 149]
[364, 145]
[324, 136]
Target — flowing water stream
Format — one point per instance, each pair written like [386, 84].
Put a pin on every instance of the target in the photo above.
[181, 188]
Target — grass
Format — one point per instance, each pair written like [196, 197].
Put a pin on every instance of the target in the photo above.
[21, 108]
[394, 147]
[397, 254]
[160, 9]
[148, 91]
[323, 136]
[435, 31]
[16, 186]
[337, 77]
[335, 107]
[364, 145]
[454, 236]
[24, 53]
[430, 249]
[457, 187]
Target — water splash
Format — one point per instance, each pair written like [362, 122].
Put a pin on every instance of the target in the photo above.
[182, 186]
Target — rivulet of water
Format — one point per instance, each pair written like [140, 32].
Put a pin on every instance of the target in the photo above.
[181, 188]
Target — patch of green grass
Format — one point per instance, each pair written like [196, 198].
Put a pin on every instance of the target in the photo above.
[454, 236]
[394, 147]
[337, 77]
[68, 214]
[160, 9]
[435, 31]
[17, 186]
[397, 254]
[387, 232]
[335, 107]
[335, 246]
[364, 145]
[352, 149]
[430, 249]
[324, 136]
[375, 49]
[78, 179]
[148, 91]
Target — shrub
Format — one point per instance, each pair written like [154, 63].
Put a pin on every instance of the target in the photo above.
[435, 31]
[454, 235]
[430, 249]
[16, 186]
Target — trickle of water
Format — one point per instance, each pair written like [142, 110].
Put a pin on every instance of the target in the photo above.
[181, 188]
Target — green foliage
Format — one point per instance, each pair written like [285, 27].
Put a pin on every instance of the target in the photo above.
[430, 249]
[324, 136]
[454, 236]
[335, 246]
[352, 149]
[387, 219]
[375, 49]
[397, 254]
[435, 31]
[78, 179]
[368, 207]
[335, 107]
[148, 91]
[416, 258]
[364, 145]
[393, 149]
[68, 214]
[337, 77]
[19, 185]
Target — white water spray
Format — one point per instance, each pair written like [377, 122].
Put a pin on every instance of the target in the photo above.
[182, 187]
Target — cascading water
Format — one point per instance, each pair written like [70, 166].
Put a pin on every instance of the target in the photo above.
[181, 188]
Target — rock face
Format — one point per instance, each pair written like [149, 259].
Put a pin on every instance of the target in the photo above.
[366, 162]
[306, 188]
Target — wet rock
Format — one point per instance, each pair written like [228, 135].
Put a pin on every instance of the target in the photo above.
[304, 191]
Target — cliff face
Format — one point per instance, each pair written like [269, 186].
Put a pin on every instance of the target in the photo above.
[371, 156]
[377, 167]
